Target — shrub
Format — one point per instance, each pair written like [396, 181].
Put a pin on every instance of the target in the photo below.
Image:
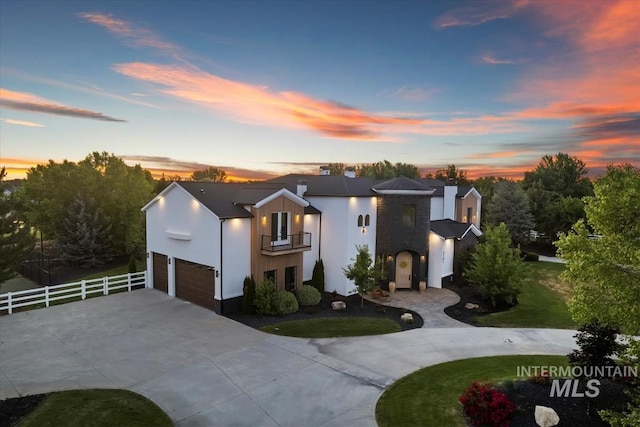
[265, 298]
[596, 343]
[484, 405]
[530, 256]
[317, 277]
[308, 295]
[286, 303]
[541, 378]
[248, 295]
[132, 267]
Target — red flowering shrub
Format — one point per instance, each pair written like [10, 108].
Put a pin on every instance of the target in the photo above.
[486, 406]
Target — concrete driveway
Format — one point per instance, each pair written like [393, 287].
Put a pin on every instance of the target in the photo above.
[206, 370]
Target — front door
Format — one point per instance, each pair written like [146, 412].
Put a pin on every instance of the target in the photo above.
[404, 269]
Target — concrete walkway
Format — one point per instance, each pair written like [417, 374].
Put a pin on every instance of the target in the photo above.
[204, 369]
[429, 304]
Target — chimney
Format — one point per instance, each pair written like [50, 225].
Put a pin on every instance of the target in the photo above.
[302, 188]
[350, 172]
[324, 170]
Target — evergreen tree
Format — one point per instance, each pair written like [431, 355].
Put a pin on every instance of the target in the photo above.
[317, 277]
[16, 238]
[510, 205]
[84, 239]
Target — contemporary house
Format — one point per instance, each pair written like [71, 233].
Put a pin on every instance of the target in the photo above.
[204, 238]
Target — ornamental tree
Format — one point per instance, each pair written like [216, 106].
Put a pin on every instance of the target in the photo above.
[496, 268]
[364, 272]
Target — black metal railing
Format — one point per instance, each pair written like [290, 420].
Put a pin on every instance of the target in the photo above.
[300, 241]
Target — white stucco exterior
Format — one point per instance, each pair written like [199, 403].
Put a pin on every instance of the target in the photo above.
[179, 226]
[340, 235]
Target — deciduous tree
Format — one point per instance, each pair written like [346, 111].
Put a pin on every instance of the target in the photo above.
[16, 237]
[209, 174]
[364, 272]
[496, 268]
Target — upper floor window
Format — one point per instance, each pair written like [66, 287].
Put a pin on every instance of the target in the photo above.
[359, 220]
[469, 214]
[409, 215]
[279, 227]
[367, 220]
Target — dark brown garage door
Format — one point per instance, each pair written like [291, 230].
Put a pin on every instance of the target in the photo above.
[160, 274]
[195, 283]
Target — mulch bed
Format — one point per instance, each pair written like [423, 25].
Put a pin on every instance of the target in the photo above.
[469, 295]
[14, 409]
[324, 309]
[573, 411]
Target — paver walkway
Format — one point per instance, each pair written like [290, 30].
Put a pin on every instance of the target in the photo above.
[205, 370]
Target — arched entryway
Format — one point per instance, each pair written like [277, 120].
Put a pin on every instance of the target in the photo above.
[404, 270]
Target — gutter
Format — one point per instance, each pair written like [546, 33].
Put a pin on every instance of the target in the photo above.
[220, 269]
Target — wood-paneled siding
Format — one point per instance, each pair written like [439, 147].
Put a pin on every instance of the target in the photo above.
[461, 209]
[262, 226]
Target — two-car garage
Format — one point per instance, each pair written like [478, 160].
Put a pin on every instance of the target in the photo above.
[193, 282]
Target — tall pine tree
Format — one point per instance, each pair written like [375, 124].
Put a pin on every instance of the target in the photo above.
[84, 239]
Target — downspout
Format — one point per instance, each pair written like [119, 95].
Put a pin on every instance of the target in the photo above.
[320, 237]
[220, 269]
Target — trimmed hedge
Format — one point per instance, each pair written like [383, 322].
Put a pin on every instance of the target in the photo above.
[308, 295]
[286, 303]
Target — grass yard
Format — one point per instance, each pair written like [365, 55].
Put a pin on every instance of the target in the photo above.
[96, 408]
[333, 327]
[542, 303]
[116, 271]
[429, 397]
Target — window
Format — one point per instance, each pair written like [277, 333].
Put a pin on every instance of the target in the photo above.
[409, 215]
[359, 220]
[279, 228]
[290, 275]
[272, 275]
[469, 214]
[367, 221]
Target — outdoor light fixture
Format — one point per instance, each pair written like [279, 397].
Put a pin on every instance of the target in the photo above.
[389, 258]
[423, 258]
[364, 230]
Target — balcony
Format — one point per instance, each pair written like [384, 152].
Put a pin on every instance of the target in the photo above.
[293, 243]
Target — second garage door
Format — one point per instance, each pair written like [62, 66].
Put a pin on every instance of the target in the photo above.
[195, 283]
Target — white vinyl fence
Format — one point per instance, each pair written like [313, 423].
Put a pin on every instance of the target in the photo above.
[75, 291]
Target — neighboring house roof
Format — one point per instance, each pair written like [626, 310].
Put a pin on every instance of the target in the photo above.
[449, 229]
[328, 185]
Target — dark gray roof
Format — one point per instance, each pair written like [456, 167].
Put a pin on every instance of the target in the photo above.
[328, 185]
[450, 229]
[227, 200]
[402, 183]
[218, 197]
[462, 191]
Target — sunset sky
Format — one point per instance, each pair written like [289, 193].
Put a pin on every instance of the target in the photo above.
[267, 88]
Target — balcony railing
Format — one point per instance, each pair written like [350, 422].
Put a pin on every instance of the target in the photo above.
[293, 243]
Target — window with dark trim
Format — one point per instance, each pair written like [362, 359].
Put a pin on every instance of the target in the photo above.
[290, 276]
[279, 227]
[359, 220]
[367, 220]
[469, 214]
[272, 275]
[409, 215]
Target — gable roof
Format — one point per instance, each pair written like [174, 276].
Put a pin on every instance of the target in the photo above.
[449, 229]
[327, 185]
[403, 185]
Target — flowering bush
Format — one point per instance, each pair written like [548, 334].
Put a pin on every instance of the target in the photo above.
[485, 405]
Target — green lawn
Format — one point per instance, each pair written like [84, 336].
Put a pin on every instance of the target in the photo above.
[116, 271]
[333, 327]
[429, 397]
[96, 408]
[541, 303]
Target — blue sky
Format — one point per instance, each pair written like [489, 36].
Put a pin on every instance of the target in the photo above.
[267, 88]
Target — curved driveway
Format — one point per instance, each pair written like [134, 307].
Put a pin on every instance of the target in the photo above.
[206, 370]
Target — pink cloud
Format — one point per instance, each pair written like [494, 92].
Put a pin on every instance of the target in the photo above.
[22, 123]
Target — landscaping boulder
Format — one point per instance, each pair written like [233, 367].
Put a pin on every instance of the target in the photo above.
[339, 305]
[471, 306]
[407, 317]
[546, 417]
